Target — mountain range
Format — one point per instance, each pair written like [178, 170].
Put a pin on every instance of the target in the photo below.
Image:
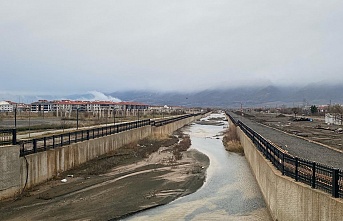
[246, 96]
[258, 96]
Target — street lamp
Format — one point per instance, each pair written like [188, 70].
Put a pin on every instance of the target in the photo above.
[30, 121]
[114, 116]
[15, 117]
[77, 118]
[106, 116]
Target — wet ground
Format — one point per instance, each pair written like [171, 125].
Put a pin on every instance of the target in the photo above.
[229, 193]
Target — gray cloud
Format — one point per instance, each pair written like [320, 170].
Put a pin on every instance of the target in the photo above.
[76, 46]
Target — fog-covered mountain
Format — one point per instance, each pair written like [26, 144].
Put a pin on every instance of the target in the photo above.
[247, 96]
[251, 96]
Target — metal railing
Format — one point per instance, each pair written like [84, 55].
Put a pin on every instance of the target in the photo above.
[314, 174]
[35, 145]
[8, 137]
[159, 123]
[51, 142]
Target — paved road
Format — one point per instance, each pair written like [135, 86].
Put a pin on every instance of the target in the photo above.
[297, 146]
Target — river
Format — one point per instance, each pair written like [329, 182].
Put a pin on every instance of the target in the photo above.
[230, 191]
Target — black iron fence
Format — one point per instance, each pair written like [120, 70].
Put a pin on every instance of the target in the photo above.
[8, 137]
[159, 123]
[54, 141]
[50, 142]
[316, 175]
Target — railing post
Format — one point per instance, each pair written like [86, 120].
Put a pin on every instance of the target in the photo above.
[14, 136]
[61, 140]
[34, 141]
[296, 169]
[283, 164]
[53, 141]
[69, 138]
[44, 139]
[87, 134]
[313, 183]
[335, 186]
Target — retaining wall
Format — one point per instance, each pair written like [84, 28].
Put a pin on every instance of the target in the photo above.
[19, 172]
[285, 198]
[47, 164]
[170, 128]
[9, 170]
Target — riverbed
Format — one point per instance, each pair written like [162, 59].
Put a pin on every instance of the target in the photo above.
[230, 191]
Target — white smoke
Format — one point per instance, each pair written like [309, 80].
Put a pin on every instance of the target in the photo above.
[98, 96]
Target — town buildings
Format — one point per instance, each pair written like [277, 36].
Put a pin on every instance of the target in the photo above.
[6, 106]
[65, 106]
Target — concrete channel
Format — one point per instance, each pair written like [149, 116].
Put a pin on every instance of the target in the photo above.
[230, 191]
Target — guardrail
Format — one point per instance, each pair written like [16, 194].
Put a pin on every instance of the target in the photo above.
[314, 174]
[50, 142]
[35, 145]
[171, 120]
[8, 137]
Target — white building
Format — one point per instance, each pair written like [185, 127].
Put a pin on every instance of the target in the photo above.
[333, 119]
[6, 106]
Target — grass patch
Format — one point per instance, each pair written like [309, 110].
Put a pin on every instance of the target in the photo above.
[183, 145]
[231, 140]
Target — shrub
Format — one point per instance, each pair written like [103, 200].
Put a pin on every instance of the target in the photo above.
[231, 140]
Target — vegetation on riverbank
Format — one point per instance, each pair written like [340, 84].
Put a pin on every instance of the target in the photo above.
[231, 140]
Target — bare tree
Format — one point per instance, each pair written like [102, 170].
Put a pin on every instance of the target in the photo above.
[295, 111]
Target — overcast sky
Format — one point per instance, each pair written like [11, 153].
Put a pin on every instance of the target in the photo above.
[74, 46]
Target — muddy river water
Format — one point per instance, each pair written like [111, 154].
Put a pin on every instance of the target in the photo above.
[229, 193]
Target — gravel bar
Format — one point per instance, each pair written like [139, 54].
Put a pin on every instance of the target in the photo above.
[297, 146]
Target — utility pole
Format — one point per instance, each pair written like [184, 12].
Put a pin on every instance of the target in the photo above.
[77, 118]
[30, 122]
[15, 117]
[114, 116]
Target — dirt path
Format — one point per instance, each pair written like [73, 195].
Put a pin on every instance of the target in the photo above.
[135, 178]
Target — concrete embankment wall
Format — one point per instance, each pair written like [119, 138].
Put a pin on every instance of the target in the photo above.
[170, 128]
[45, 165]
[287, 199]
[18, 172]
[9, 170]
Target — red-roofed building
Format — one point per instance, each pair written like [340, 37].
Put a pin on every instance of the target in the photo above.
[89, 106]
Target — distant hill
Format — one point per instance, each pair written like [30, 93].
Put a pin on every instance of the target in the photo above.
[233, 97]
[250, 96]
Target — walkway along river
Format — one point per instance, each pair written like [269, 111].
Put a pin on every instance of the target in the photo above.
[230, 191]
